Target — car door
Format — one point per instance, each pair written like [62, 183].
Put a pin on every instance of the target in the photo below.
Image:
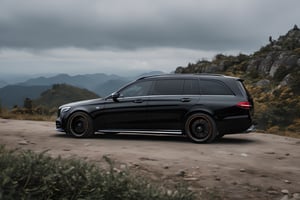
[129, 110]
[169, 101]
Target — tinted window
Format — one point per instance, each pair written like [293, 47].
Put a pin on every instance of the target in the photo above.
[214, 87]
[191, 87]
[168, 87]
[137, 89]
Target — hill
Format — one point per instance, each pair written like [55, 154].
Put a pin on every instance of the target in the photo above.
[61, 94]
[94, 82]
[12, 95]
[271, 74]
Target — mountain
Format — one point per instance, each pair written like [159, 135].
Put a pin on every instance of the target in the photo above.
[110, 86]
[3, 83]
[60, 94]
[12, 95]
[271, 74]
[88, 81]
[101, 84]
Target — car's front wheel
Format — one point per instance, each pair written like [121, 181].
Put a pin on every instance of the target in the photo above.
[80, 125]
[200, 128]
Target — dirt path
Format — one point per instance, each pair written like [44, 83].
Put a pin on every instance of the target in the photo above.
[252, 166]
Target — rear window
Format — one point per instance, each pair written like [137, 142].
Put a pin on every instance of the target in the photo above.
[214, 87]
[243, 89]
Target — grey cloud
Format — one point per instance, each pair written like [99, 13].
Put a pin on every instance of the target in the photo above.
[133, 24]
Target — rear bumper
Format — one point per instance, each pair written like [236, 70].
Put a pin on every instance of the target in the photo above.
[235, 124]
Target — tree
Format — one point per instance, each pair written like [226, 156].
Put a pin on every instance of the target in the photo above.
[28, 104]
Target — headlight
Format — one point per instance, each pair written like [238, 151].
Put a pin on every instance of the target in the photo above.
[65, 109]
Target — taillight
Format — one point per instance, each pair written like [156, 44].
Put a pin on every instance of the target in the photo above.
[244, 105]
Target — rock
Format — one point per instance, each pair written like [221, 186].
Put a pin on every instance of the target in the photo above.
[181, 173]
[265, 65]
[291, 61]
[217, 178]
[244, 154]
[263, 83]
[166, 167]
[273, 70]
[272, 192]
[284, 191]
[253, 65]
[285, 197]
[23, 142]
[270, 152]
[123, 166]
[298, 62]
[234, 183]
[66, 149]
[287, 181]
[264, 175]
[242, 170]
[286, 80]
[190, 179]
[169, 192]
[296, 196]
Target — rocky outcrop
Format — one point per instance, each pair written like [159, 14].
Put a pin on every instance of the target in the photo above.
[277, 61]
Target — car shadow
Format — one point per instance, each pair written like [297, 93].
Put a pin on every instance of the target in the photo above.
[137, 137]
[235, 140]
[163, 138]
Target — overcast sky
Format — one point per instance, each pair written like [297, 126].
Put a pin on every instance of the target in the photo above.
[123, 36]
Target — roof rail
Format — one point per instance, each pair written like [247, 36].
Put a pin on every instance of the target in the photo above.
[210, 74]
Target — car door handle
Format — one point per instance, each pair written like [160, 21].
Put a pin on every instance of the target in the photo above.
[185, 100]
[138, 101]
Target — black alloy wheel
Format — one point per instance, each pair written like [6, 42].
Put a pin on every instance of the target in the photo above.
[200, 128]
[80, 125]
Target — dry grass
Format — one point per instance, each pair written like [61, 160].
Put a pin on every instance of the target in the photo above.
[5, 114]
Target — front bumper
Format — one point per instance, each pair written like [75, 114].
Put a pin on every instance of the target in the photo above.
[59, 126]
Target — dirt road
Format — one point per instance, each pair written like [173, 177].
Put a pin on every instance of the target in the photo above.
[251, 166]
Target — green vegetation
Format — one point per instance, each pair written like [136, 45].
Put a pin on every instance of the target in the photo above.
[62, 93]
[27, 175]
[272, 76]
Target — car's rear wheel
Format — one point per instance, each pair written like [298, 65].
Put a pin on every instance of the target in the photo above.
[80, 125]
[200, 128]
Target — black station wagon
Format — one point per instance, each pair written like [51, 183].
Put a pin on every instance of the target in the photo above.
[201, 106]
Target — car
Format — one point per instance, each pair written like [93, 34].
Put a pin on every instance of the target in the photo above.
[202, 107]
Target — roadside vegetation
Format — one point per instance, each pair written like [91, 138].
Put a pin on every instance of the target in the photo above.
[272, 76]
[28, 175]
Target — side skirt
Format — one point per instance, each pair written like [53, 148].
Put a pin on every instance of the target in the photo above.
[170, 132]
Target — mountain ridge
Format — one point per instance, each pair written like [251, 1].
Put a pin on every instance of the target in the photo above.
[99, 83]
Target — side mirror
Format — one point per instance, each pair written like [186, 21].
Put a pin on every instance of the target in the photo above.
[115, 96]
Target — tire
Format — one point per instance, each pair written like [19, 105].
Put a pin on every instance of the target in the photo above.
[80, 125]
[200, 128]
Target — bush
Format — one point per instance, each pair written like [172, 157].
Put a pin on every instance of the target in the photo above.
[28, 175]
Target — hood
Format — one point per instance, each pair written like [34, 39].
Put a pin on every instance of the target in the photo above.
[85, 102]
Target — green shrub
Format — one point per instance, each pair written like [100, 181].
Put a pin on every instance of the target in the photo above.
[28, 175]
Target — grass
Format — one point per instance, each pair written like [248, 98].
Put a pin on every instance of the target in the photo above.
[5, 114]
[28, 175]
